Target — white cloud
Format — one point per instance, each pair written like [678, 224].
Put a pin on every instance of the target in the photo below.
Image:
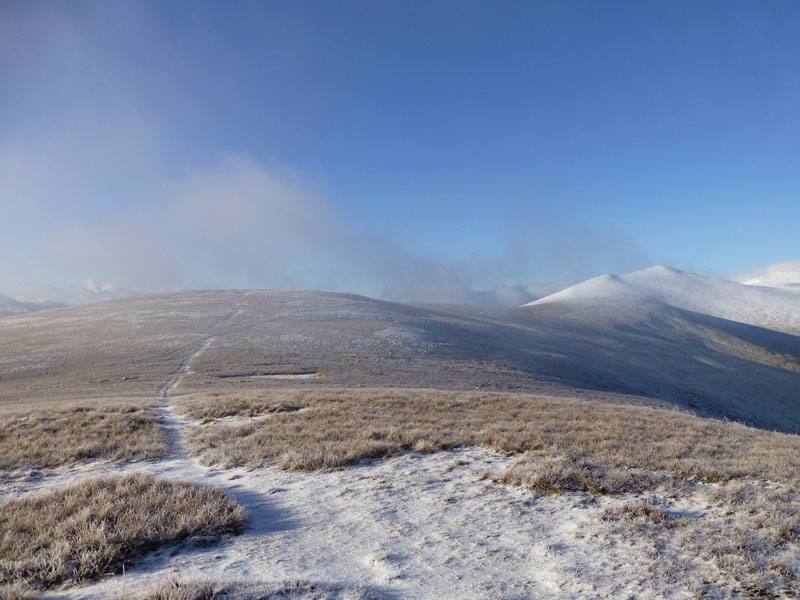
[435, 283]
[237, 223]
[91, 291]
[243, 205]
[123, 252]
[445, 286]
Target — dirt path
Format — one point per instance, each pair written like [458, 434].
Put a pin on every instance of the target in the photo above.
[183, 370]
[172, 424]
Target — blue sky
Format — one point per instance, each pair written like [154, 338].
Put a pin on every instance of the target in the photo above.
[409, 150]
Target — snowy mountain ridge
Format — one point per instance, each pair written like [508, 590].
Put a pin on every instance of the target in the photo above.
[776, 307]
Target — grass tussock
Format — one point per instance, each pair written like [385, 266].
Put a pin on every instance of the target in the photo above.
[87, 530]
[562, 444]
[209, 407]
[56, 435]
[174, 589]
[643, 514]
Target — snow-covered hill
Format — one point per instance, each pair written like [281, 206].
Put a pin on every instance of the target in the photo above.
[775, 308]
[785, 274]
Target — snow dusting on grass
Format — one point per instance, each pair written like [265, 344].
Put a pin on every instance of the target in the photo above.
[57, 434]
[414, 526]
[90, 529]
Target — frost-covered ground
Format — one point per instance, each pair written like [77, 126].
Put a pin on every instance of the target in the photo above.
[414, 526]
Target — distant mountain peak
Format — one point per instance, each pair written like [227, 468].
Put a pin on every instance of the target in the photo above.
[776, 307]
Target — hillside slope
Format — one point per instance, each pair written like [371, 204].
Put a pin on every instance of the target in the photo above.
[132, 346]
[596, 346]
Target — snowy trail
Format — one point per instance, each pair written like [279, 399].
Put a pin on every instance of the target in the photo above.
[171, 423]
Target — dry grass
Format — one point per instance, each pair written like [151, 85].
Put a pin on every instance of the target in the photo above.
[87, 530]
[643, 514]
[55, 435]
[174, 589]
[17, 591]
[563, 444]
[746, 479]
[749, 531]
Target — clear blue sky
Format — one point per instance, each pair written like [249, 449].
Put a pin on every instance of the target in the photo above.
[398, 148]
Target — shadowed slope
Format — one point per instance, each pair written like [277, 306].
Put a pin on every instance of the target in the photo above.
[710, 365]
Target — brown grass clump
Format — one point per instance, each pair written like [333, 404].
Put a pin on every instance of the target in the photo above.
[174, 589]
[86, 530]
[57, 435]
[643, 514]
[207, 407]
[563, 444]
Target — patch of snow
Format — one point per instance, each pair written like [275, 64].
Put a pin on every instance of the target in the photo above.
[284, 376]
